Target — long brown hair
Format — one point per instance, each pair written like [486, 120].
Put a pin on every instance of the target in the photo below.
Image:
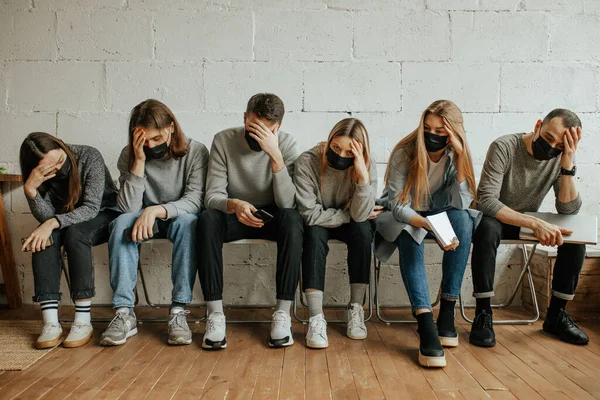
[414, 145]
[355, 129]
[34, 148]
[152, 114]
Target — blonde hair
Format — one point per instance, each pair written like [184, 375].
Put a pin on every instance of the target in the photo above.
[355, 129]
[417, 182]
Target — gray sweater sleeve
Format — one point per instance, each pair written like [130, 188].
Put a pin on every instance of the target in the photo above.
[495, 166]
[571, 207]
[395, 186]
[92, 183]
[41, 207]
[216, 179]
[363, 199]
[131, 187]
[307, 199]
[192, 200]
[284, 189]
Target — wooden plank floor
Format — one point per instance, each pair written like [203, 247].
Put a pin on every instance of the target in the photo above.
[525, 364]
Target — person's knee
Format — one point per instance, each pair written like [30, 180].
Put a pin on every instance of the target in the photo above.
[123, 221]
[361, 233]
[488, 233]
[209, 220]
[315, 234]
[74, 235]
[462, 223]
[185, 221]
[290, 221]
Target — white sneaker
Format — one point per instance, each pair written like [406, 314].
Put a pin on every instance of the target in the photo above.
[79, 335]
[281, 330]
[50, 336]
[214, 336]
[355, 322]
[316, 337]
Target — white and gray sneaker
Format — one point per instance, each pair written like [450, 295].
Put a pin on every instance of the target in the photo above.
[214, 336]
[50, 336]
[355, 322]
[122, 326]
[179, 331]
[316, 337]
[281, 330]
[79, 335]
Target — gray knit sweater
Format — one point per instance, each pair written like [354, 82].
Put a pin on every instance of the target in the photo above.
[324, 204]
[512, 177]
[236, 171]
[98, 191]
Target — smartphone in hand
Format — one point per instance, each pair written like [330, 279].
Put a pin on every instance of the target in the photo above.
[49, 243]
[264, 215]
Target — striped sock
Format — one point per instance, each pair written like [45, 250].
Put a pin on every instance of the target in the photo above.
[49, 311]
[82, 311]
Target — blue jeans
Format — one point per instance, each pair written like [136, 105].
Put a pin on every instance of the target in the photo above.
[124, 255]
[412, 262]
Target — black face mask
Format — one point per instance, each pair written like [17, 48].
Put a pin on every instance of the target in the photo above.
[338, 162]
[542, 150]
[435, 142]
[63, 172]
[156, 152]
[252, 143]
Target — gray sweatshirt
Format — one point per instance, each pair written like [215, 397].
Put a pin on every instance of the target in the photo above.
[177, 185]
[324, 205]
[512, 177]
[236, 171]
[98, 192]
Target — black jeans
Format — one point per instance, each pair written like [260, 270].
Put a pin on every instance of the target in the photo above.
[78, 241]
[216, 228]
[486, 240]
[358, 236]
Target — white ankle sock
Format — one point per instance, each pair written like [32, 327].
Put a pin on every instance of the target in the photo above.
[314, 300]
[214, 306]
[82, 312]
[284, 305]
[49, 311]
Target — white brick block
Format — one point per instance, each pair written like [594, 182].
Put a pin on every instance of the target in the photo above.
[178, 85]
[402, 36]
[15, 127]
[107, 132]
[376, 4]
[385, 130]
[61, 5]
[473, 87]
[303, 35]
[45, 86]
[353, 87]
[500, 5]
[229, 86]
[190, 5]
[203, 36]
[490, 36]
[105, 35]
[591, 5]
[310, 128]
[202, 127]
[534, 87]
[452, 5]
[289, 5]
[3, 84]
[588, 151]
[555, 5]
[574, 38]
[11, 6]
[28, 35]
[587, 185]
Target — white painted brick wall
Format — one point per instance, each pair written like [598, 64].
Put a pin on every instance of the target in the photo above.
[75, 68]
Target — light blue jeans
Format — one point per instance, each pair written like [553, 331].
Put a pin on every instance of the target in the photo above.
[412, 262]
[124, 255]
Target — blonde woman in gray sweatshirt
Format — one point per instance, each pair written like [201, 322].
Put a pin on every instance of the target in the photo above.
[336, 186]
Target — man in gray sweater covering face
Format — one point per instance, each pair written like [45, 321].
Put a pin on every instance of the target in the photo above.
[518, 172]
[250, 195]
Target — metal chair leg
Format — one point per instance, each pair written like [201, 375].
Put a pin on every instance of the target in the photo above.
[527, 258]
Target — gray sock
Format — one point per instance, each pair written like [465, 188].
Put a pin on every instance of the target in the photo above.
[283, 305]
[214, 306]
[314, 298]
[126, 310]
[357, 293]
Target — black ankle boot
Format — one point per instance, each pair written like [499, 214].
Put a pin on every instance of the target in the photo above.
[445, 323]
[431, 352]
[560, 323]
[482, 330]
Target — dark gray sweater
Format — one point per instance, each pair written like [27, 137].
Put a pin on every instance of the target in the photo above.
[98, 192]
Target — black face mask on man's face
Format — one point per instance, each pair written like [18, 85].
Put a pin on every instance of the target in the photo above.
[542, 150]
[252, 143]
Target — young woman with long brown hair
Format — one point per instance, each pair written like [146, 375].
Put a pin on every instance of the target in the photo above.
[161, 194]
[430, 171]
[336, 187]
[70, 192]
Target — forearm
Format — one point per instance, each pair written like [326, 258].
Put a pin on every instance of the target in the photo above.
[568, 191]
[138, 168]
[508, 216]
[277, 163]
[418, 221]
[460, 169]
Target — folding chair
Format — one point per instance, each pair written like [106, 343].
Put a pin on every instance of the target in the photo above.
[334, 321]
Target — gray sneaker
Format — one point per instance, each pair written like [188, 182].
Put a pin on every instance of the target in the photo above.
[179, 331]
[120, 328]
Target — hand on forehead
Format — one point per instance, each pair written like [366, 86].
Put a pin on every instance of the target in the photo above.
[56, 156]
[342, 146]
[554, 132]
[254, 119]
